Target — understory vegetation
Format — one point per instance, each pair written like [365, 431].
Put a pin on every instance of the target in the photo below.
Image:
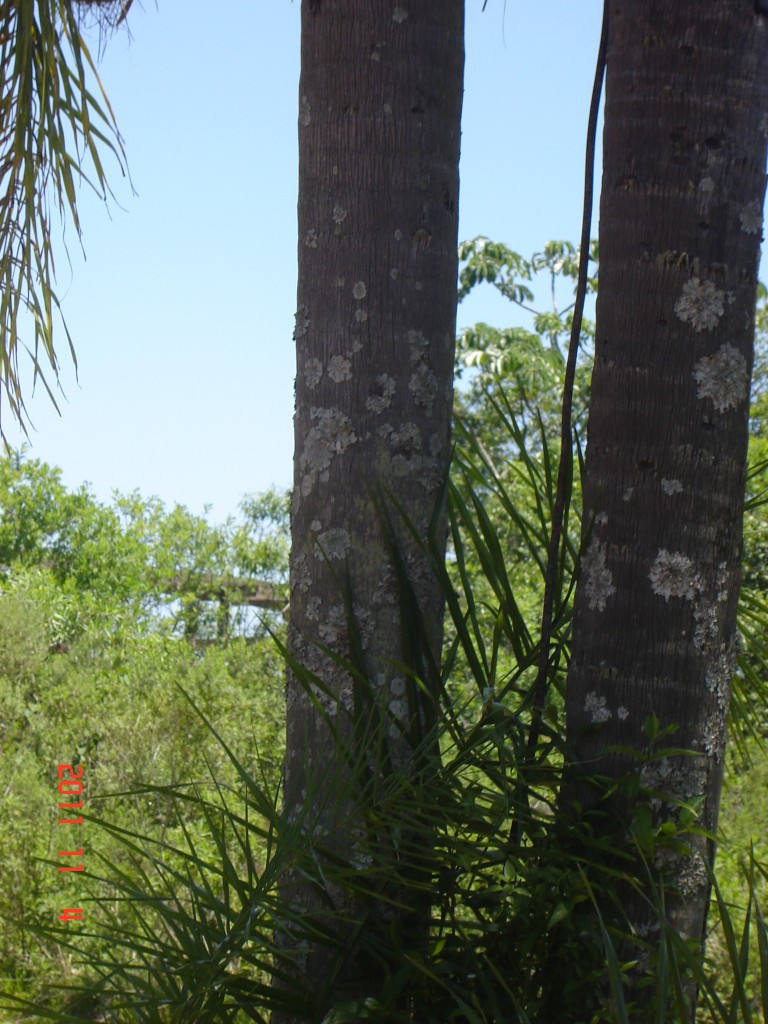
[144, 647]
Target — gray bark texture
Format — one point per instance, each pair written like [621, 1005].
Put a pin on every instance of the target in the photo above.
[654, 632]
[379, 129]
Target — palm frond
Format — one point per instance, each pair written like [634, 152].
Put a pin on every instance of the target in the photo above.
[56, 127]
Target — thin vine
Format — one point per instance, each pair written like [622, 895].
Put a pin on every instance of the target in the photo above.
[566, 434]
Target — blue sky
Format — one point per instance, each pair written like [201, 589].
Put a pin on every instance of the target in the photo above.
[182, 310]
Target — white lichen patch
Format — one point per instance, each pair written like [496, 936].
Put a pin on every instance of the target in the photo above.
[601, 519]
[406, 440]
[692, 874]
[708, 612]
[673, 574]
[627, 495]
[751, 218]
[312, 610]
[406, 444]
[386, 592]
[331, 435]
[333, 543]
[435, 444]
[330, 706]
[671, 487]
[401, 466]
[382, 393]
[623, 713]
[339, 369]
[706, 186]
[428, 475]
[305, 115]
[713, 738]
[423, 383]
[361, 315]
[333, 627]
[419, 346]
[310, 239]
[598, 578]
[339, 215]
[398, 235]
[397, 687]
[706, 635]
[723, 378]
[597, 708]
[301, 578]
[399, 710]
[394, 273]
[313, 372]
[672, 783]
[360, 857]
[701, 304]
[359, 290]
[302, 323]
[399, 15]
[656, 775]
[722, 668]
[423, 387]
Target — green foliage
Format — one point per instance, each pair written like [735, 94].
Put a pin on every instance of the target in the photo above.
[755, 534]
[92, 655]
[527, 355]
[186, 918]
[742, 853]
[134, 562]
[261, 545]
[750, 697]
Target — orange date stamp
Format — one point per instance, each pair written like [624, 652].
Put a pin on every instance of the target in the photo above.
[70, 787]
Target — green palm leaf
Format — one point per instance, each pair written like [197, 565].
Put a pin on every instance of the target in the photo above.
[55, 125]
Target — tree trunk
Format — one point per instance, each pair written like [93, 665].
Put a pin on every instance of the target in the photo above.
[379, 129]
[654, 631]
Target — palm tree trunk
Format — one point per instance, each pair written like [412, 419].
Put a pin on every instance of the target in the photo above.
[654, 630]
[379, 128]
